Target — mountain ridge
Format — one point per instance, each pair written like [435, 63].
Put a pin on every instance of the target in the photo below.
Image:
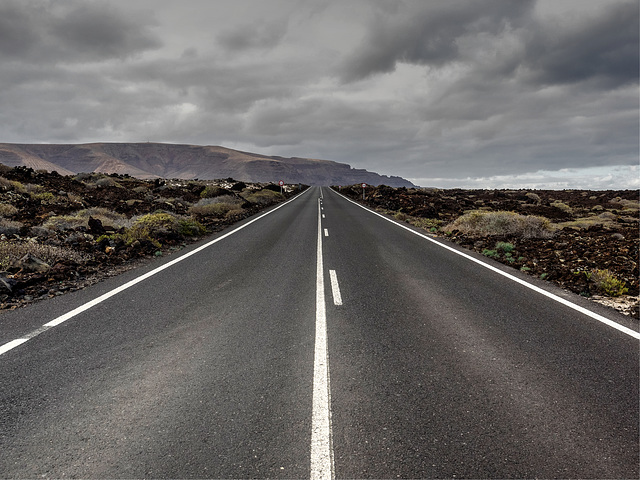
[167, 160]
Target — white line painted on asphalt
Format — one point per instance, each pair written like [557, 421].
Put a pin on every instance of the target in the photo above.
[321, 448]
[63, 318]
[335, 288]
[550, 295]
[323, 215]
[326, 232]
[12, 344]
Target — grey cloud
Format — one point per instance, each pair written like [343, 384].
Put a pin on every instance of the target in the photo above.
[484, 89]
[96, 31]
[71, 32]
[19, 34]
[605, 48]
[258, 35]
[427, 33]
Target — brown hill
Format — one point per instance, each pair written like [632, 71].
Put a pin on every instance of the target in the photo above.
[153, 160]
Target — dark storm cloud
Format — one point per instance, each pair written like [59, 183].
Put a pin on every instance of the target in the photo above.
[604, 48]
[19, 33]
[71, 32]
[257, 35]
[427, 33]
[423, 89]
[95, 31]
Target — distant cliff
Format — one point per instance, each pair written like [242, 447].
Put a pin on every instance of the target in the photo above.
[152, 160]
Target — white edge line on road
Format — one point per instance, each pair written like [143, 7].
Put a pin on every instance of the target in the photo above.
[321, 448]
[12, 344]
[335, 288]
[550, 295]
[63, 318]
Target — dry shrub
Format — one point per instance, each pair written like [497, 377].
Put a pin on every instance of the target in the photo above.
[106, 182]
[562, 206]
[7, 210]
[106, 216]
[605, 218]
[81, 219]
[73, 198]
[533, 198]
[211, 209]
[263, 197]
[235, 212]
[13, 251]
[502, 223]
[13, 185]
[64, 222]
[216, 207]
[626, 204]
[5, 184]
[9, 227]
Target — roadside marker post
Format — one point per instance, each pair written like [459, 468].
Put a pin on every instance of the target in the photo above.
[364, 185]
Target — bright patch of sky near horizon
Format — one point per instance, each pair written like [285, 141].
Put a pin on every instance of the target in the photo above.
[446, 93]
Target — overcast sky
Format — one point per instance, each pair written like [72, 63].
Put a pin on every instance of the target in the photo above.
[448, 93]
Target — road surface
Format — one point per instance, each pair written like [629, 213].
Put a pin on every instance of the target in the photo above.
[318, 340]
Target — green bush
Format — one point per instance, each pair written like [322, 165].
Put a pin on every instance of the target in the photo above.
[431, 224]
[211, 191]
[157, 226]
[506, 247]
[43, 197]
[607, 283]
[191, 228]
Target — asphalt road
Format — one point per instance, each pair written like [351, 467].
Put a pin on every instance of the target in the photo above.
[235, 361]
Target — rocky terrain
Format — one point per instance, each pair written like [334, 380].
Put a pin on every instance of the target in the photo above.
[163, 160]
[584, 241]
[61, 233]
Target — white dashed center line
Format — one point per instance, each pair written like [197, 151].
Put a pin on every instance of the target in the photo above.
[335, 288]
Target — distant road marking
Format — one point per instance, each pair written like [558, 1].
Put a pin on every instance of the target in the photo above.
[550, 295]
[323, 215]
[321, 448]
[326, 232]
[335, 288]
[63, 318]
